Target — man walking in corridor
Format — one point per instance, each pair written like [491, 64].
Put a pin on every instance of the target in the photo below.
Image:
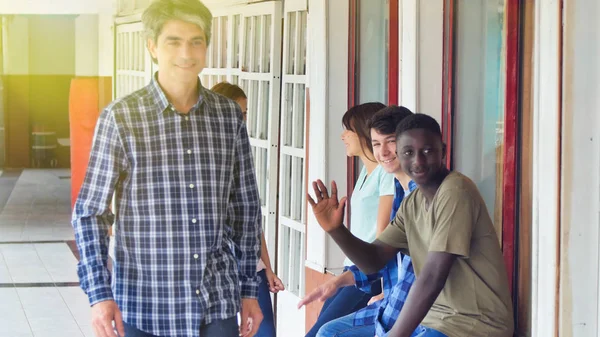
[187, 226]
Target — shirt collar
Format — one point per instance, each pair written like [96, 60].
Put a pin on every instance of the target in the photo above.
[161, 101]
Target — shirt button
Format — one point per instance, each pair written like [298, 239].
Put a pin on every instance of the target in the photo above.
[189, 151]
[197, 292]
[191, 185]
[195, 256]
[194, 220]
[187, 118]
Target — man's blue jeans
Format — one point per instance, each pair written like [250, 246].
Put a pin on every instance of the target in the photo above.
[344, 327]
[222, 328]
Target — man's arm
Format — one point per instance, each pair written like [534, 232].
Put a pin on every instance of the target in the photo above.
[423, 293]
[363, 281]
[107, 162]
[245, 216]
[329, 212]
[368, 257]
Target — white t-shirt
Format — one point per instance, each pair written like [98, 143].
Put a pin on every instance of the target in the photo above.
[364, 203]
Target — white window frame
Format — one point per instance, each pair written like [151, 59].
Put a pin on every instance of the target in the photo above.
[228, 71]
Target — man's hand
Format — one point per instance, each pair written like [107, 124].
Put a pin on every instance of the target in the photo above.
[328, 211]
[322, 293]
[103, 315]
[375, 299]
[275, 284]
[251, 317]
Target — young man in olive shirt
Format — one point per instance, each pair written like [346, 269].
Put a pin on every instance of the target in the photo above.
[461, 288]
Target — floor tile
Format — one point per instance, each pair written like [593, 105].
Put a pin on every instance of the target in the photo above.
[78, 304]
[87, 330]
[4, 273]
[41, 324]
[24, 264]
[34, 300]
[12, 316]
[58, 261]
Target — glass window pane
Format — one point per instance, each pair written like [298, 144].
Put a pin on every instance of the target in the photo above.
[479, 98]
[373, 45]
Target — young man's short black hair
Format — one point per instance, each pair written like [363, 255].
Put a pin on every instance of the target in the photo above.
[418, 121]
[386, 119]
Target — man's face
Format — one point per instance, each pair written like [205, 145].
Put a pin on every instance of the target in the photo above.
[384, 150]
[180, 50]
[421, 154]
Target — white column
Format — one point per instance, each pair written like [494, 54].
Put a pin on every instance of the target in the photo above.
[328, 84]
[317, 85]
[546, 156]
[408, 45]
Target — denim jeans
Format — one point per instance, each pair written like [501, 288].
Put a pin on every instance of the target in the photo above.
[344, 327]
[346, 301]
[267, 327]
[222, 328]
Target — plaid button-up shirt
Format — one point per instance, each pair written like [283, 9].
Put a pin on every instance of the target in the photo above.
[187, 226]
[397, 281]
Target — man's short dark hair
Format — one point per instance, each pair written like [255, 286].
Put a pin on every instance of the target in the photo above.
[387, 119]
[418, 121]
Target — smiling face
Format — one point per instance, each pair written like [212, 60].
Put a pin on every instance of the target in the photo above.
[180, 50]
[421, 154]
[384, 150]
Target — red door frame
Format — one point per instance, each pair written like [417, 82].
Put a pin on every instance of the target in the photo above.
[353, 71]
[511, 119]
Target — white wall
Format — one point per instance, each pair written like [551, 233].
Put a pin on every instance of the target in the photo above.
[16, 59]
[52, 56]
[106, 47]
[579, 298]
[86, 45]
[30, 51]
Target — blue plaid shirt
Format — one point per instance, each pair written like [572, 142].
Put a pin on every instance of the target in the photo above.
[187, 226]
[396, 283]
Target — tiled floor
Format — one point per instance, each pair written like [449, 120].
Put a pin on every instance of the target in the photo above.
[39, 291]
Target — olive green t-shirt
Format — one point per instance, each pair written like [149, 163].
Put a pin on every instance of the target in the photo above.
[475, 300]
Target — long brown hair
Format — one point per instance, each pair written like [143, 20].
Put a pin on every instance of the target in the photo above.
[357, 119]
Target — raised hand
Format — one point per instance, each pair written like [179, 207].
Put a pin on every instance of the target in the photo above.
[327, 209]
